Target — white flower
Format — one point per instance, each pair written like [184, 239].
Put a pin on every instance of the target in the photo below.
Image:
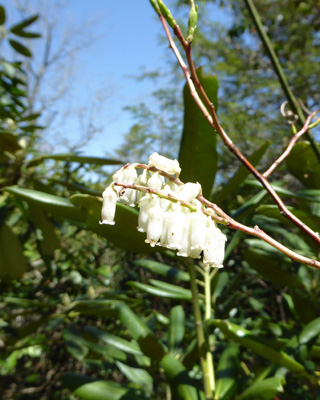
[156, 181]
[198, 223]
[175, 226]
[146, 202]
[214, 247]
[164, 164]
[164, 203]
[108, 206]
[186, 250]
[189, 191]
[129, 196]
[154, 228]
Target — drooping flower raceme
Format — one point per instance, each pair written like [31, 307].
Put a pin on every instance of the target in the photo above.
[170, 213]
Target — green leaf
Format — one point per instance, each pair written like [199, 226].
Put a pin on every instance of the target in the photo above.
[12, 261]
[24, 24]
[2, 15]
[148, 343]
[49, 241]
[9, 142]
[28, 35]
[248, 340]
[310, 331]
[240, 175]
[56, 205]
[113, 340]
[75, 345]
[20, 48]
[273, 211]
[71, 157]
[177, 375]
[123, 234]
[165, 292]
[270, 269]
[198, 156]
[137, 375]
[85, 388]
[304, 165]
[163, 270]
[176, 327]
[227, 371]
[266, 389]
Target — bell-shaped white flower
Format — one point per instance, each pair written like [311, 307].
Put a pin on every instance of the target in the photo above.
[188, 191]
[156, 181]
[155, 221]
[175, 227]
[185, 250]
[198, 222]
[118, 175]
[164, 164]
[146, 202]
[164, 203]
[143, 178]
[129, 196]
[213, 252]
[108, 206]
[164, 234]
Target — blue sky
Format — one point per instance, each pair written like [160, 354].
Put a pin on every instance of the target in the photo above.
[126, 43]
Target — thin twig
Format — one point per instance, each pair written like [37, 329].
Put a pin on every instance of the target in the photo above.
[214, 122]
[291, 144]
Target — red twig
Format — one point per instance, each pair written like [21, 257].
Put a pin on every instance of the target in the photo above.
[214, 122]
[291, 144]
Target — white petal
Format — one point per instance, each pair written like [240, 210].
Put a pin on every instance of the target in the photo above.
[156, 181]
[164, 164]
[155, 221]
[215, 246]
[146, 202]
[176, 220]
[189, 191]
[198, 222]
[108, 206]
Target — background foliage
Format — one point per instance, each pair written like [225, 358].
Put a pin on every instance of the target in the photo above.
[89, 311]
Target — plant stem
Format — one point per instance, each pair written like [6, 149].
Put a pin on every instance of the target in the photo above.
[203, 347]
[279, 71]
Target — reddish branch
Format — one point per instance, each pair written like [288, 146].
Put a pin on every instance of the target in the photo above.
[192, 80]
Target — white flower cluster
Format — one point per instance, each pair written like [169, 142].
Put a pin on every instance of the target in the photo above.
[167, 223]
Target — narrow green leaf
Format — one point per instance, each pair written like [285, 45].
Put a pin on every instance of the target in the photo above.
[2, 15]
[24, 23]
[266, 389]
[240, 175]
[137, 375]
[176, 327]
[310, 331]
[71, 157]
[270, 269]
[163, 270]
[246, 339]
[154, 291]
[28, 35]
[113, 340]
[56, 205]
[177, 375]
[198, 155]
[227, 371]
[20, 48]
[12, 261]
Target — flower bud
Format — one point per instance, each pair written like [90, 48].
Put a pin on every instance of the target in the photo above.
[164, 164]
[108, 206]
[129, 196]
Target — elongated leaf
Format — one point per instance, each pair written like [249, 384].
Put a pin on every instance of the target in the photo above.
[310, 331]
[303, 164]
[170, 287]
[227, 371]
[24, 24]
[246, 339]
[137, 375]
[56, 205]
[270, 269]
[240, 175]
[161, 292]
[266, 389]
[28, 35]
[123, 234]
[20, 48]
[9, 142]
[2, 15]
[85, 388]
[148, 343]
[113, 340]
[198, 154]
[177, 375]
[71, 157]
[12, 261]
[176, 327]
[163, 270]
